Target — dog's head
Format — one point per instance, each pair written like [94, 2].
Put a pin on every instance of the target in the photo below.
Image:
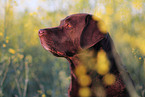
[75, 32]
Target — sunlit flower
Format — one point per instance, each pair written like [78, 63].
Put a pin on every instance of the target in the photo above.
[109, 79]
[84, 80]
[12, 51]
[4, 45]
[85, 92]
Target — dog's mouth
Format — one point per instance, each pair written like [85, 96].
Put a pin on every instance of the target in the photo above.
[47, 46]
[44, 43]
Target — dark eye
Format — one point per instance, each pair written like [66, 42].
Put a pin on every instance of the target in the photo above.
[68, 25]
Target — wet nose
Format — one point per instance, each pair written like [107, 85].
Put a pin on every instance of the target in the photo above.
[41, 32]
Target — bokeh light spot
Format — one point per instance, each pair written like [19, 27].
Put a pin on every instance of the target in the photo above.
[109, 79]
[4, 45]
[103, 65]
[80, 70]
[84, 80]
[85, 92]
[12, 51]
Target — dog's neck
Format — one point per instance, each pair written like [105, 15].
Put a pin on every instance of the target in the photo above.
[85, 56]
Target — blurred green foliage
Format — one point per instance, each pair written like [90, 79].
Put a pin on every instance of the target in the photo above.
[27, 70]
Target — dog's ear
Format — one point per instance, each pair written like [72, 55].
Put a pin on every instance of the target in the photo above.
[91, 33]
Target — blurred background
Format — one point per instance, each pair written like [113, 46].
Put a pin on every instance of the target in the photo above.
[27, 70]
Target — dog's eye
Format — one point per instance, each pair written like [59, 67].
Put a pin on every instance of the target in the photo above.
[68, 25]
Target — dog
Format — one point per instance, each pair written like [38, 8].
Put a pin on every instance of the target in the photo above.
[77, 36]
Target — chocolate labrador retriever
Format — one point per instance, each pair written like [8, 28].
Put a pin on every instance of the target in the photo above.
[74, 35]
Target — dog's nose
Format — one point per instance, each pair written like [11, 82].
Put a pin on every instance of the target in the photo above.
[41, 32]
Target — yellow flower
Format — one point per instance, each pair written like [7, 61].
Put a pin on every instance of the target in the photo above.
[42, 18]
[103, 64]
[30, 14]
[34, 13]
[12, 51]
[15, 3]
[38, 8]
[84, 80]
[4, 45]
[7, 41]
[43, 95]
[7, 37]
[139, 58]
[109, 79]
[137, 4]
[1, 34]
[84, 92]
[101, 25]
[80, 70]
[96, 18]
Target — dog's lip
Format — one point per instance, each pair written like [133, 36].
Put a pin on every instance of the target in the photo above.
[53, 51]
[49, 48]
[43, 44]
[45, 47]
